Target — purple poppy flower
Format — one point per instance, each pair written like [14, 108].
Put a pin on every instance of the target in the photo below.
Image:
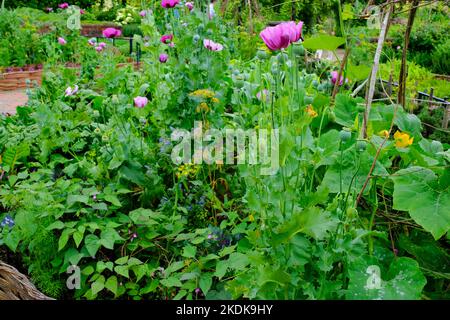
[169, 3]
[111, 33]
[167, 38]
[282, 35]
[163, 58]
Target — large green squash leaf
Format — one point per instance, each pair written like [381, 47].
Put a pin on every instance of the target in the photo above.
[353, 178]
[403, 280]
[346, 109]
[417, 190]
[323, 42]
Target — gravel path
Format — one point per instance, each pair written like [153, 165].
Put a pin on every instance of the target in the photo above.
[9, 100]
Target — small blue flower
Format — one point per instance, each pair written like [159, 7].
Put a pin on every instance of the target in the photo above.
[201, 201]
[7, 221]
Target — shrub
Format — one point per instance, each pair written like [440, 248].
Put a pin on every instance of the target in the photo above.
[441, 58]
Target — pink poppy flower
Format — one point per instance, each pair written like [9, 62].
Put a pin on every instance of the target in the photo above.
[163, 58]
[169, 3]
[62, 41]
[140, 102]
[64, 5]
[282, 35]
[70, 92]
[211, 45]
[111, 33]
[167, 38]
[189, 5]
[334, 77]
[82, 11]
[263, 95]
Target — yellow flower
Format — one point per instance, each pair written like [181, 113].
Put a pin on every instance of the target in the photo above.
[215, 100]
[202, 107]
[186, 170]
[384, 133]
[310, 110]
[251, 218]
[203, 93]
[402, 139]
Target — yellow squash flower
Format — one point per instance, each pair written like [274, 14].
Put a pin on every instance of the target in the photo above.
[402, 139]
[384, 133]
[310, 110]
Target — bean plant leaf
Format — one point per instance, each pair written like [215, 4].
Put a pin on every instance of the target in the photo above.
[417, 190]
[111, 284]
[98, 285]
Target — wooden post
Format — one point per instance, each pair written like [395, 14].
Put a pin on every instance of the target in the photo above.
[430, 99]
[376, 63]
[446, 116]
[389, 86]
[401, 99]
[250, 15]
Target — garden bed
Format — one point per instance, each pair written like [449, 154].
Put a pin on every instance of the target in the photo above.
[19, 79]
[15, 80]
[95, 30]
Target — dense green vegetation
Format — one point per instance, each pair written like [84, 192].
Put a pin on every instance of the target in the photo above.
[88, 177]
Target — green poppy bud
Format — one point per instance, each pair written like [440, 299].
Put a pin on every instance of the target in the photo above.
[261, 54]
[345, 135]
[361, 145]
[282, 57]
[239, 82]
[299, 50]
[331, 116]
[352, 212]
[308, 100]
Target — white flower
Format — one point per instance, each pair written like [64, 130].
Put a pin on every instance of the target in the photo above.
[70, 91]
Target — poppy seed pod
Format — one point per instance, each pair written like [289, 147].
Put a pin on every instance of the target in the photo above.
[361, 145]
[299, 50]
[261, 54]
[345, 135]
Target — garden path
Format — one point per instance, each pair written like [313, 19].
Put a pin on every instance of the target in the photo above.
[9, 100]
